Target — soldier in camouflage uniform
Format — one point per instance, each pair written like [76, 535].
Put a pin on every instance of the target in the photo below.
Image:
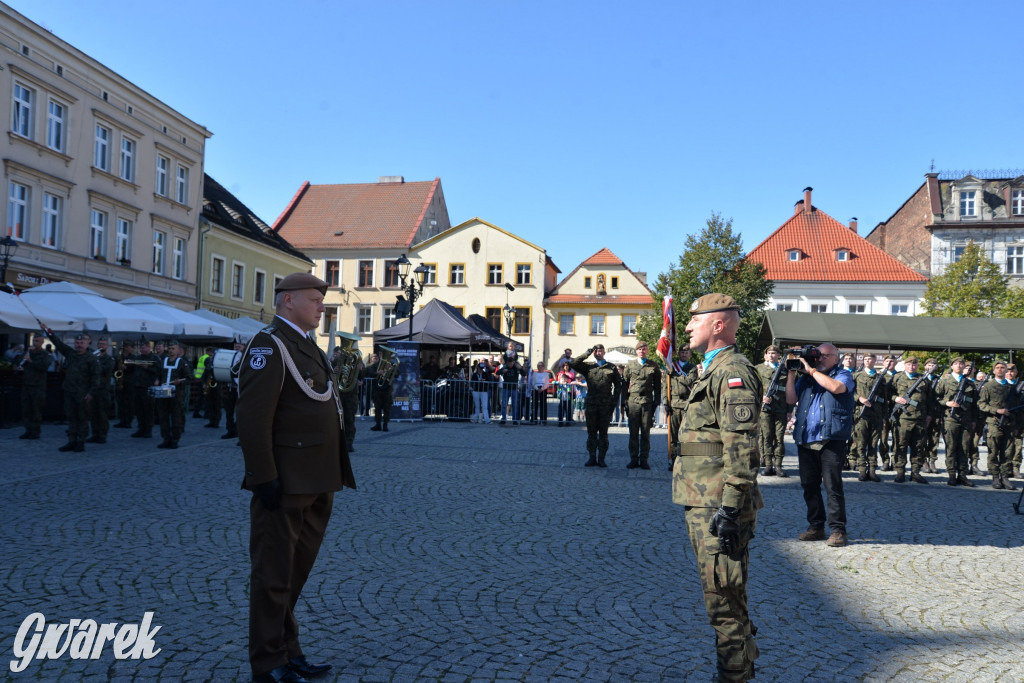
[715, 478]
[774, 413]
[147, 374]
[176, 371]
[681, 377]
[935, 428]
[34, 366]
[869, 416]
[80, 384]
[642, 386]
[914, 393]
[99, 407]
[992, 402]
[1013, 451]
[604, 387]
[889, 426]
[959, 421]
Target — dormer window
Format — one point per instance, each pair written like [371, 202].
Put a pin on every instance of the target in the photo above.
[842, 254]
[967, 203]
[793, 254]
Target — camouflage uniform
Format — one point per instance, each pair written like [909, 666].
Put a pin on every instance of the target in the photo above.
[912, 422]
[145, 377]
[958, 430]
[889, 426]
[677, 390]
[867, 429]
[935, 428]
[642, 383]
[1013, 441]
[102, 400]
[604, 386]
[772, 424]
[993, 396]
[81, 379]
[717, 467]
[33, 391]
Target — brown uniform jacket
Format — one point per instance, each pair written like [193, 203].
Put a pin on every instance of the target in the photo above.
[284, 433]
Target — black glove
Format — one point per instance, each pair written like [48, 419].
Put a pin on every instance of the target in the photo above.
[590, 350]
[269, 493]
[725, 526]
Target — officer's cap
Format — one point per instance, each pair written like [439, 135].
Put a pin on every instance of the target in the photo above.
[712, 303]
[301, 281]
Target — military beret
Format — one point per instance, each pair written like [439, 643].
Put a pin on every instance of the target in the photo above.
[301, 281]
[958, 359]
[173, 342]
[712, 303]
[128, 342]
[83, 335]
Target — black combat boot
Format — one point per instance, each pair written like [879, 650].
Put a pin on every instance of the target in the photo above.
[68, 447]
[953, 481]
[1007, 484]
[917, 478]
[900, 476]
[964, 481]
[600, 459]
[997, 482]
[863, 474]
[779, 472]
[79, 447]
[591, 462]
[872, 476]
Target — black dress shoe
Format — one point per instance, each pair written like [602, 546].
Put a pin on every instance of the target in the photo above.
[282, 674]
[229, 435]
[164, 444]
[303, 667]
[375, 428]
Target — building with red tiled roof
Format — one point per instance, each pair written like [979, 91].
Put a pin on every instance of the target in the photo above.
[355, 233]
[600, 301]
[819, 265]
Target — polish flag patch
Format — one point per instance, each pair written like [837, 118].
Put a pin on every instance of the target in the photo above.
[735, 382]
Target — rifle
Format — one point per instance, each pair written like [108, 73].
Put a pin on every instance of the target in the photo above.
[1015, 400]
[900, 407]
[773, 385]
[873, 394]
[960, 396]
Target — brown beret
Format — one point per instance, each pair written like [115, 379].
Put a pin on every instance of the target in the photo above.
[301, 281]
[958, 359]
[711, 303]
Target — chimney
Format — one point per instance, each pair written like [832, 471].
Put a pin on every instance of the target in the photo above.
[390, 179]
[798, 207]
[853, 224]
[807, 200]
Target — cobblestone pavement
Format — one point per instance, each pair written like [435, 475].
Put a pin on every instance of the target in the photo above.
[479, 553]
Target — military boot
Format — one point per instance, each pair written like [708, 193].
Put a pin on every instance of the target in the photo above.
[592, 462]
[1007, 484]
[600, 459]
[917, 478]
[997, 482]
[79, 447]
[964, 481]
[872, 476]
[900, 476]
[863, 474]
[633, 463]
[779, 472]
[953, 481]
[68, 447]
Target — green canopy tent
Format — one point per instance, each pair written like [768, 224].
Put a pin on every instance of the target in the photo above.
[787, 328]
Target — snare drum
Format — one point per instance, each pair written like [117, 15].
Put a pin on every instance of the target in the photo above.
[162, 391]
[223, 362]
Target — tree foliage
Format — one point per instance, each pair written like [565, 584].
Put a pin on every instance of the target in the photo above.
[712, 261]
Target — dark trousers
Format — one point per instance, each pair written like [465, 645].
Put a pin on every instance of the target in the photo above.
[33, 399]
[144, 409]
[382, 406]
[213, 404]
[283, 546]
[539, 409]
[349, 408]
[824, 467]
[126, 405]
[230, 398]
[98, 413]
[598, 419]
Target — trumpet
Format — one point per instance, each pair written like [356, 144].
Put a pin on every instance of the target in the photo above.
[387, 368]
[140, 363]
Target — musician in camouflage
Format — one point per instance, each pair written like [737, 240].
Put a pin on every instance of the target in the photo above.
[715, 478]
[681, 377]
[604, 387]
[99, 407]
[35, 365]
[913, 393]
[774, 413]
[992, 402]
[959, 420]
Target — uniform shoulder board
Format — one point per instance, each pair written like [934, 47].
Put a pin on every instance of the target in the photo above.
[269, 329]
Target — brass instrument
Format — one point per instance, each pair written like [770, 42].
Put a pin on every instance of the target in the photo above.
[387, 368]
[140, 363]
[348, 362]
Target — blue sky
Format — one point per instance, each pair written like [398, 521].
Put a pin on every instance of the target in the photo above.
[580, 125]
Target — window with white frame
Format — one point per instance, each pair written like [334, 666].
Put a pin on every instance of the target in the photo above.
[457, 274]
[17, 211]
[842, 255]
[259, 285]
[1017, 203]
[899, 309]
[566, 323]
[495, 274]
[237, 280]
[793, 254]
[364, 319]
[524, 273]
[1015, 260]
[783, 307]
[52, 205]
[159, 246]
[967, 203]
[858, 308]
[819, 308]
[330, 319]
[123, 248]
[181, 185]
[388, 317]
[430, 277]
[56, 115]
[628, 325]
[597, 323]
[101, 148]
[163, 165]
[217, 266]
[128, 159]
[179, 259]
[23, 99]
[97, 234]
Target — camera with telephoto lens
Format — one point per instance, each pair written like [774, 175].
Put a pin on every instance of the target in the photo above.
[809, 352]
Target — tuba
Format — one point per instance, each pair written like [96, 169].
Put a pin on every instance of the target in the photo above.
[348, 362]
[387, 368]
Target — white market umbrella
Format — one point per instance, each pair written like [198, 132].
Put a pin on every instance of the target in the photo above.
[618, 358]
[245, 328]
[96, 312]
[186, 325]
[15, 316]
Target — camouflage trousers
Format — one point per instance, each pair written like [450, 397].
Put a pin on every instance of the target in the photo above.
[866, 434]
[724, 582]
[998, 440]
[598, 419]
[772, 437]
[170, 413]
[912, 437]
[33, 399]
[640, 418]
[76, 410]
[932, 435]
[958, 438]
[99, 408]
[1014, 452]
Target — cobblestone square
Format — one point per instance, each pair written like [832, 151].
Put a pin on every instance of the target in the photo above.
[487, 553]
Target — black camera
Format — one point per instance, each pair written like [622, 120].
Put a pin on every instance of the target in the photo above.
[809, 352]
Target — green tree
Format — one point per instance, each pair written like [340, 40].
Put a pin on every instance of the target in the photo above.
[712, 261]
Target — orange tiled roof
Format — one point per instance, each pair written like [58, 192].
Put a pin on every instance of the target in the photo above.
[605, 257]
[371, 215]
[818, 236]
[592, 299]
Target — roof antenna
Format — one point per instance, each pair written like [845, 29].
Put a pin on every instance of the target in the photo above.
[932, 169]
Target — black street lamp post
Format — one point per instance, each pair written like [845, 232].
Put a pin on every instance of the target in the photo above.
[510, 316]
[8, 246]
[414, 288]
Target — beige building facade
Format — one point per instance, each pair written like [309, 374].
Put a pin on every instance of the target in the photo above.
[102, 181]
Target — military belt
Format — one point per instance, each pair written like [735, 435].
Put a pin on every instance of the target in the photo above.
[701, 449]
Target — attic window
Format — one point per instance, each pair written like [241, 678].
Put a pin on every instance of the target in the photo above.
[476, 245]
[842, 254]
[793, 254]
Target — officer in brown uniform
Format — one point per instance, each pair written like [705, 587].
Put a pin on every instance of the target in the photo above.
[715, 478]
[289, 427]
[642, 382]
[681, 377]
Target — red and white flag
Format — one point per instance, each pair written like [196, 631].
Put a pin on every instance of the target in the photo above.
[667, 340]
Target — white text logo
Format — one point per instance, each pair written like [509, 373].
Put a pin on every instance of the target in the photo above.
[81, 639]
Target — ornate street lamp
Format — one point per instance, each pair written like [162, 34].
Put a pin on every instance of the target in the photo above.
[412, 287]
[510, 316]
[8, 246]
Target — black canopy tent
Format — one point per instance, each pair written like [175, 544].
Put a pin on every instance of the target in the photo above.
[481, 323]
[438, 324]
[891, 331]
